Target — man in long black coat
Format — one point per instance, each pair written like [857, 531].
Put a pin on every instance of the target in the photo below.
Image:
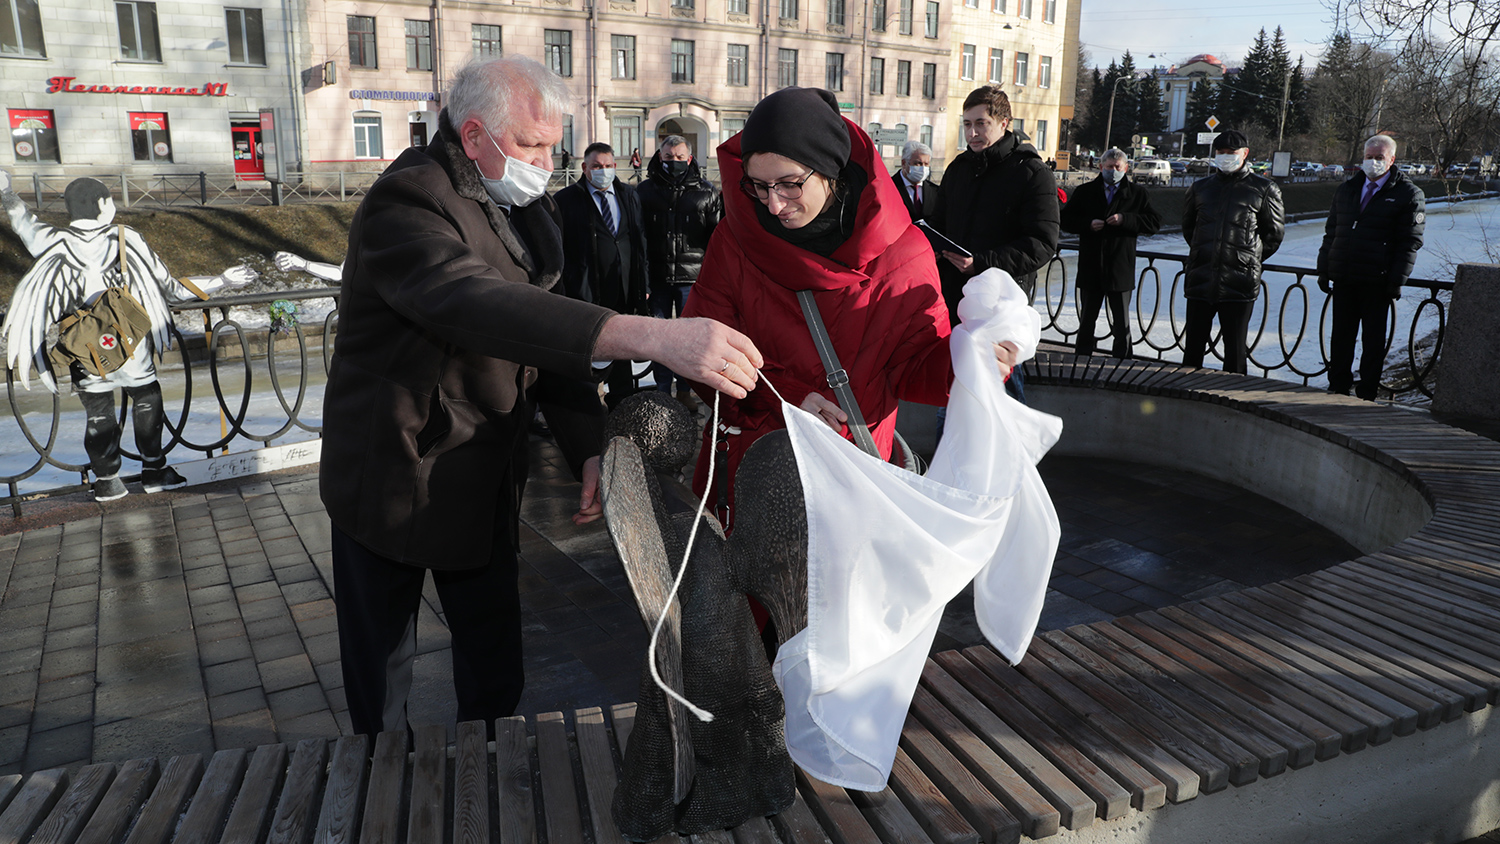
[1108, 214]
[1369, 248]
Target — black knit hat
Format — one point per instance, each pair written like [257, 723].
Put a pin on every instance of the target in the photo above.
[802, 124]
[1232, 139]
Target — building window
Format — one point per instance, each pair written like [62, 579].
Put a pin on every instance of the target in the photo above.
[362, 42]
[788, 10]
[625, 134]
[835, 12]
[998, 6]
[786, 67]
[877, 15]
[1044, 73]
[419, 45]
[1022, 67]
[902, 128]
[566, 141]
[33, 135]
[932, 18]
[247, 36]
[367, 135]
[732, 126]
[833, 71]
[877, 76]
[903, 78]
[1041, 135]
[1049, 11]
[925, 134]
[739, 7]
[1023, 8]
[906, 16]
[997, 65]
[682, 4]
[622, 48]
[21, 29]
[558, 46]
[739, 64]
[150, 136]
[138, 40]
[682, 62]
[966, 62]
[486, 37]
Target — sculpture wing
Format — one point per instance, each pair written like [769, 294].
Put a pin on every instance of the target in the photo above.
[53, 287]
[146, 277]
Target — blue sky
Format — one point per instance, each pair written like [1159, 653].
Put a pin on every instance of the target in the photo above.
[1177, 29]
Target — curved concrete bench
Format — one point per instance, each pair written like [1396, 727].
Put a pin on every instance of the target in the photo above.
[1352, 704]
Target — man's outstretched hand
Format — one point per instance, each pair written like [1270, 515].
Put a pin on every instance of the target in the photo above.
[702, 350]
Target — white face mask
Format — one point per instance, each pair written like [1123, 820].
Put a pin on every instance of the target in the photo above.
[1227, 162]
[918, 173]
[1374, 167]
[1112, 176]
[522, 183]
[602, 178]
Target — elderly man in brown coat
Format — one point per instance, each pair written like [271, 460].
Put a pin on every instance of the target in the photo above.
[450, 329]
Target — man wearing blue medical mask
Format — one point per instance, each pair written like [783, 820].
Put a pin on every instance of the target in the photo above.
[605, 243]
[452, 330]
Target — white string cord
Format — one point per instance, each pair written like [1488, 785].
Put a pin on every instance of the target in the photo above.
[702, 714]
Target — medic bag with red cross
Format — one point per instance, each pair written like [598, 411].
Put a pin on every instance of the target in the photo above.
[100, 337]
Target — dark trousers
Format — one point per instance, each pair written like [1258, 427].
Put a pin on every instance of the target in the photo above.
[377, 601]
[101, 431]
[1234, 328]
[1357, 310]
[667, 301]
[1088, 314]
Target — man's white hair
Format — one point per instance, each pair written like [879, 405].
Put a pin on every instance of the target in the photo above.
[1385, 141]
[1114, 154]
[914, 148]
[490, 88]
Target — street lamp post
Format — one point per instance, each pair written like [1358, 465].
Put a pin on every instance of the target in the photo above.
[1109, 124]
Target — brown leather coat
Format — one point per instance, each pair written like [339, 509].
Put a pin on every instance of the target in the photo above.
[446, 314]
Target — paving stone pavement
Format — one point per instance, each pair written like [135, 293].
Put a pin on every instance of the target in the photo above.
[203, 619]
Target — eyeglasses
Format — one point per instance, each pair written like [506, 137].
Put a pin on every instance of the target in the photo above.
[785, 190]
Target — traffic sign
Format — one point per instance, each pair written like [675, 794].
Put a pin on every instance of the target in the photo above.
[1207, 137]
[894, 137]
[1212, 122]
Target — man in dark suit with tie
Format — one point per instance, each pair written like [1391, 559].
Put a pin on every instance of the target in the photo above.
[913, 179]
[1108, 214]
[1369, 247]
[604, 242]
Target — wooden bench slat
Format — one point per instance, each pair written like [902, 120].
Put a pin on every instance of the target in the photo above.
[516, 821]
[890, 818]
[1181, 713]
[386, 791]
[1111, 799]
[1406, 564]
[1299, 748]
[1076, 809]
[938, 816]
[131, 786]
[796, 823]
[559, 795]
[713, 836]
[983, 787]
[1147, 791]
[251, 816]
[427, 815]
[296, 809]
[9, 785]
[471, 785]
[29, 808]
[836, 811]
[623, 716]
[755, 831]
[1480, 620]
[159, 816]
[210, 804]
[67, 819]
[599, 776]
[339, 815]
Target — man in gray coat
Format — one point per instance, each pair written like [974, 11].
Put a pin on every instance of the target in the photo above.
[450, 329]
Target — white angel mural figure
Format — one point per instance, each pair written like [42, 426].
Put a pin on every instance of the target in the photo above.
[74, 266]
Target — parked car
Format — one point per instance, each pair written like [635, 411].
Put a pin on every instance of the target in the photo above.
[1333, 171]
[1152, 171]
[1179, 166]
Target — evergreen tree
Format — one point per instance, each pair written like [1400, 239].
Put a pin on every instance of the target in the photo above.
[1150, 116]
[1126, 103]
[1240, 97]
[1200, 106]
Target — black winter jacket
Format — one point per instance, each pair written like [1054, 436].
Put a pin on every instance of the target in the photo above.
[1001, 204]
[1106, 258]
[680, 216]
[1376, 247]
[1232, 224]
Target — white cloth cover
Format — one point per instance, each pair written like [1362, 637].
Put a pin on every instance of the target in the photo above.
[887, 550]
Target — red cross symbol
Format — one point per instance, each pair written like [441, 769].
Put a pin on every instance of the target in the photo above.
[106, 341]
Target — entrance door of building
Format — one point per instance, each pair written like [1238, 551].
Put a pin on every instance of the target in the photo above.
[249, 157]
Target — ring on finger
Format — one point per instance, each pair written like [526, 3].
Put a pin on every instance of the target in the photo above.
[724, 368]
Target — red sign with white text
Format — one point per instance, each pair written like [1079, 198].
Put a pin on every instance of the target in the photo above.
[147, 120]
[64, 85]
[41, 118]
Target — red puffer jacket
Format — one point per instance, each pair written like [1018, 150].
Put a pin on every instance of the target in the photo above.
[879, 296]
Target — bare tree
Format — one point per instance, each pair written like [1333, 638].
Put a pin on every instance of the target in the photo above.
[1347, 89]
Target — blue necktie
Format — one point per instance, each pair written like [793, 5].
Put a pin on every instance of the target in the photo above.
[609, 218]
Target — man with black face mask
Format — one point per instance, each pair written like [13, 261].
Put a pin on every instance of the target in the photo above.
[680, 209]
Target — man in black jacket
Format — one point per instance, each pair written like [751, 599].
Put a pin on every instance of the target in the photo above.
[1108, 214]
[604, 242]
[679, 209]
[998, 200]
[1369, 248]
[1233, 221]
[917, 189]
